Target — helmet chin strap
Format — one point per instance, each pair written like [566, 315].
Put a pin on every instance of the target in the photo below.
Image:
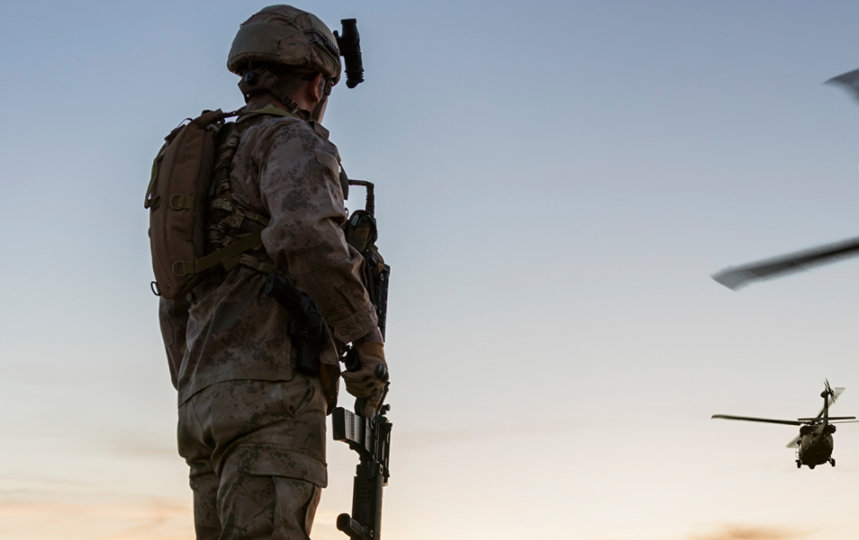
[257, 81]
[260, 81]
[319, 110]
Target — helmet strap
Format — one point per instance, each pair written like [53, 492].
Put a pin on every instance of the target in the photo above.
[257, 81]
[319, 110]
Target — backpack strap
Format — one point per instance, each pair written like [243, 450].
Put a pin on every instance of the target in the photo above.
[228, 256]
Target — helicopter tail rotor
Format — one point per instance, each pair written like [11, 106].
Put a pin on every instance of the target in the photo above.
[831, 393]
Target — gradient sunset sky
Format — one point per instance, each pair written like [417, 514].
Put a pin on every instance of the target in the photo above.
[555, 183]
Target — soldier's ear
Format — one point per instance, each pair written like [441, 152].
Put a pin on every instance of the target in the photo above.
[317, 87]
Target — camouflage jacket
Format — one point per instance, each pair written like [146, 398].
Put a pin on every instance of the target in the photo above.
[228, 329]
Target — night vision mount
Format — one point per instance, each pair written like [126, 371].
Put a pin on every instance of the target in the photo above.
[350, 48]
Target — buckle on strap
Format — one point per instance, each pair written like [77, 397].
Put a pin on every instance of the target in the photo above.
[228, 256]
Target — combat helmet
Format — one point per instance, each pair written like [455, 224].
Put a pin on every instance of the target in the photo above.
[286, 36]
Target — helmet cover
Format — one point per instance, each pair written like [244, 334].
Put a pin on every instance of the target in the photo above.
[286, 36]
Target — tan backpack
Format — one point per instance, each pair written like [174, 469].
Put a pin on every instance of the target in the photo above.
[177, 198]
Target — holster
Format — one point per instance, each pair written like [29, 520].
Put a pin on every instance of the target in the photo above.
[309, 334]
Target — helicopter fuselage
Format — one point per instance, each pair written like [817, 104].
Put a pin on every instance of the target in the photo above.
[815, 445]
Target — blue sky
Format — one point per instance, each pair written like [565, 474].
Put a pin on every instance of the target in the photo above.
[555, 183]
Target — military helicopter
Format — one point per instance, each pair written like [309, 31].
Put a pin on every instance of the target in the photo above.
[735, 277]
[814, 443]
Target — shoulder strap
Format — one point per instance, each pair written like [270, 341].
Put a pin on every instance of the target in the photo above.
[229, 256]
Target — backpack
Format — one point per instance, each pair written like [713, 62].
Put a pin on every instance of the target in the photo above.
[190, 177]
[177, 198]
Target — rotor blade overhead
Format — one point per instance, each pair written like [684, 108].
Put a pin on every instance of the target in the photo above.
[735, 277]
[754, 419]
[831, 418]
[849, 80]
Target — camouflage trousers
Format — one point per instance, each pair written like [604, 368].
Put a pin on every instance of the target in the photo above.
[256, 452]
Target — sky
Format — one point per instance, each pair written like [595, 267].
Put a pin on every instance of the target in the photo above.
[555, 183]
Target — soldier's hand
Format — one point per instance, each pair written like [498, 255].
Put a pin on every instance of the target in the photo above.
[365, 381]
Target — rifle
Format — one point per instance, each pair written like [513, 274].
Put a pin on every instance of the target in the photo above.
[361, 233]
[369, 437]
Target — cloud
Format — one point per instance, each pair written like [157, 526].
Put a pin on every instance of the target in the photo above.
[106, 517]
[141, 447]
[738, 532]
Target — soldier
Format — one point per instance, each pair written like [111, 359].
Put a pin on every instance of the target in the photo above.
[251, 423]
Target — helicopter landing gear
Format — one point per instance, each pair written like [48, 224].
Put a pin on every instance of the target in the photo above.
[811, 465]
[832, 461]
[798, 464]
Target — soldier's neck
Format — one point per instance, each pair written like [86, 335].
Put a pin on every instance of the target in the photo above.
[260, 101]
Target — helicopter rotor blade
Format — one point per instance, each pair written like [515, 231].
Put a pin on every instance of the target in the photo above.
[735, 277]
[817, 420]
[849, 80]
[837, 391]
[755, 419]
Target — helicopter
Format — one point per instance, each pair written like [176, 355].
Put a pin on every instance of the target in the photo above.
[814, 443]
[735, 277]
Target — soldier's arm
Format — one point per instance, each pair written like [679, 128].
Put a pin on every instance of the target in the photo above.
[300, 187]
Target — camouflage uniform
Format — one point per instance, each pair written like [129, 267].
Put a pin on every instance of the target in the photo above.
[251, 428]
